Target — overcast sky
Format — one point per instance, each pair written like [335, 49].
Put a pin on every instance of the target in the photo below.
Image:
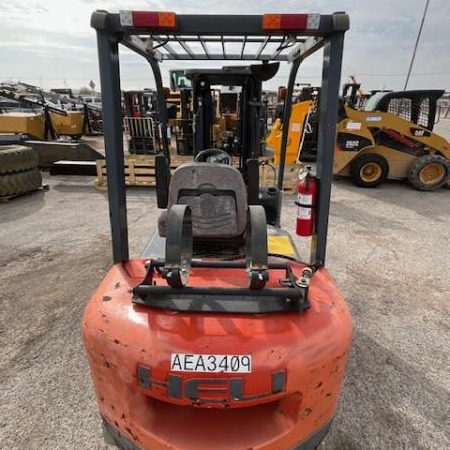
[50, 42]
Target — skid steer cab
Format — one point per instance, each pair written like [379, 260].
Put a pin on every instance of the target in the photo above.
[393, 138]
[220, 336]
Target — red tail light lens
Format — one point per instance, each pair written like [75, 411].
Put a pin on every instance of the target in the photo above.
[290, 22]
[162, 20]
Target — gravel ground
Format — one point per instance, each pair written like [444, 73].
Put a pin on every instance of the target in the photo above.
[388, 249]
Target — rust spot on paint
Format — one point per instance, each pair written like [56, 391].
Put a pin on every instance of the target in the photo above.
[318, 386]
[123, 417]
[106, 298]
[131, 434]
[117, 285]
[112, 407]
[308, 411]
[116, 341]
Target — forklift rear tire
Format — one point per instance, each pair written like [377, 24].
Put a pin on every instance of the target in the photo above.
[20, 182]
[429, 172]
[16, 159]
[369, 170]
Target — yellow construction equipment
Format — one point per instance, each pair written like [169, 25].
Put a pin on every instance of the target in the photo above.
[299, 117]
[31, 124]
[70, 124]
[393, 139]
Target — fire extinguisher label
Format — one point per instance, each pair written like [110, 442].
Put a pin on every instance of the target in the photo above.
[304, 213]
[305, 199]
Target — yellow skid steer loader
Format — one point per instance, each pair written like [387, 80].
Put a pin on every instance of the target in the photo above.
[393, 139]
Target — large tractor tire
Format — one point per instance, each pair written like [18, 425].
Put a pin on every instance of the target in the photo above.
[17, 159]
[369, 170]
[429, 172]
[20, 182]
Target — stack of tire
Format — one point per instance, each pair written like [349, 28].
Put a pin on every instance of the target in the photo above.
[18, 170]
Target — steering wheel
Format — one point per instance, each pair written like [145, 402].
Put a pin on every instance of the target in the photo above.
[213, 155]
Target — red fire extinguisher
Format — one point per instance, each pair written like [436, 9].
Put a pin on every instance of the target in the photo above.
[306, 203]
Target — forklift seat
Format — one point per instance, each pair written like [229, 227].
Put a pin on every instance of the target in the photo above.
[216, 195]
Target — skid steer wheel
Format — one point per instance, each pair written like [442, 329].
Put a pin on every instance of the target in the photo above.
[213, 155]
[369, 170]
[428, 172]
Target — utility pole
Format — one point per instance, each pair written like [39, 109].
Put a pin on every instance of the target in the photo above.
[417, 43]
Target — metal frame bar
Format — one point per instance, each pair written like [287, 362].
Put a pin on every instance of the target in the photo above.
[329, 103]
[244, 42]
[186, 47]
[161, 105]
[108, 52]
[262, 47]
[213, 25]
[223, 48]
[205, 48]
[234, 39]
[286, 125]
[161, 41]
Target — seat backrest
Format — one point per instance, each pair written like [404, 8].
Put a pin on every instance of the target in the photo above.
[217, 196]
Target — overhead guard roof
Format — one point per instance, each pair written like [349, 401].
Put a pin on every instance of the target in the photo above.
[222, 37]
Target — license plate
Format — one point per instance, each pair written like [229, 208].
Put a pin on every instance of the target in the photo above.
[189, 362]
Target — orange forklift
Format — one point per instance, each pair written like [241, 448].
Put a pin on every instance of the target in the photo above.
[220, 335]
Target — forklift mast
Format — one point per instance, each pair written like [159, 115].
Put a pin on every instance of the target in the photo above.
[250, 79]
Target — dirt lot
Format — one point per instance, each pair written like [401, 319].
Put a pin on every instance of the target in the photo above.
[388, 249]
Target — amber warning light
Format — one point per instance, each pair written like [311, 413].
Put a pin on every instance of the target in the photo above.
[291, 22]
[164, 20]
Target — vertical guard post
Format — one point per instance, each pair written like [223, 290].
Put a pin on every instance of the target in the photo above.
[162, 109]
[108, 52]
[284, 136]
[329, 103]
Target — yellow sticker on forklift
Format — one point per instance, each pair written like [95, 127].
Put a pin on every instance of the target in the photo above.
[190, 362]
[296, 127]
[280, 245]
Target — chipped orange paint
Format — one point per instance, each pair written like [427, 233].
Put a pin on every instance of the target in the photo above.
[312, 348]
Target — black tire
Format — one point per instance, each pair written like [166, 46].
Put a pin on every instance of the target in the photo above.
[17, 159]
[369, 170]
[20, 182]
[429, 172]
